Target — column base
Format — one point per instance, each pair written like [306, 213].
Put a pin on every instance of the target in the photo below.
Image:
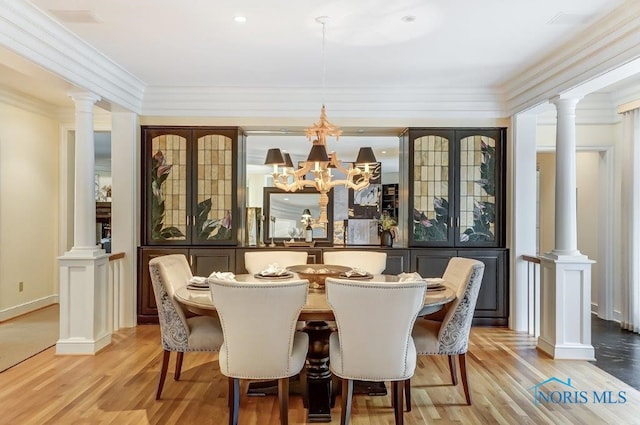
[566, 351]
[81, 346]
[84, 292]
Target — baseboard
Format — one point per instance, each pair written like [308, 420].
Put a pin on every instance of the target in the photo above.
[28, 307]
[617, 316]
[81, 346]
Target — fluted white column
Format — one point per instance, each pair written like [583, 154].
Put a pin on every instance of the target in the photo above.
[84, 270]
[84, 228]
[566, 232]
[565, 287]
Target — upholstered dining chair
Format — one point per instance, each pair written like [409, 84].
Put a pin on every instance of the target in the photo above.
[373, 347]
[257, 261]
[179, 333]
[370, 261]
[451, 335]
[260, 350]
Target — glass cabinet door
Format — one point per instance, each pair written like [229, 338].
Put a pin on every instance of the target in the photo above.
[456, 183]
[476, 191]
[214, 182]
[167, 187]
[431, 178]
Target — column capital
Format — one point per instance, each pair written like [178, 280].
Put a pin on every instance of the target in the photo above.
[565, 102]
[83, 99]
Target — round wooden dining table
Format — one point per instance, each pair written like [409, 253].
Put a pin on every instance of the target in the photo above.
[198, 301]
[318, 390]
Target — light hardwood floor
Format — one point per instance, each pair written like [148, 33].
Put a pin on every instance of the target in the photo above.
[117, 386]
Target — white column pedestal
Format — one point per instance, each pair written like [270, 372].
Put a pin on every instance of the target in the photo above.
[84, 279]
[565, 307]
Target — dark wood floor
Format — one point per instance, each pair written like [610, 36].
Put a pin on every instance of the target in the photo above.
[617, 351]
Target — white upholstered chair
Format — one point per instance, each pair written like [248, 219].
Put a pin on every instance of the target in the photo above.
[370, 261]
[451, 335]
[267, 349]
[179, 333]
[257, 261]
[374, 346]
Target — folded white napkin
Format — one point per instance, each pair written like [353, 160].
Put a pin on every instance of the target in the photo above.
[198, 280]
[409, 277]
[223, 276]
[274, 270]
[355, 272]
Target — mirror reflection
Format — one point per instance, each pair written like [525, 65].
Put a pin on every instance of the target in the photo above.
[284, 214]
[350, 210]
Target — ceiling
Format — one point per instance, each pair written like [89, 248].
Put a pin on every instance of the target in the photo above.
[370, 44]
[457, 47]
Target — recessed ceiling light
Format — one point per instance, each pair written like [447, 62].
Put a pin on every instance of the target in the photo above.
[240, 19]
[383, 152]
[408, 18]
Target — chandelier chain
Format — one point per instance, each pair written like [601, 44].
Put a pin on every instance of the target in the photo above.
[324, 63]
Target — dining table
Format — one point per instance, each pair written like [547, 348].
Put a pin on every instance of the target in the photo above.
[318, 390]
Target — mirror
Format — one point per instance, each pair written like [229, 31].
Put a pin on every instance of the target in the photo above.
[283, 214]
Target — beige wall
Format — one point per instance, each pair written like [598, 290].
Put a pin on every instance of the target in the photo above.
[593, 143]
[29, 160]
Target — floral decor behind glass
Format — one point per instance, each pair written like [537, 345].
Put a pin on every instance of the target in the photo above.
[159, 173]
[206, 228]
[484, 212]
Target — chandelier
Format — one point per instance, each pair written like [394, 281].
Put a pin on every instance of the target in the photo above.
[319, 163]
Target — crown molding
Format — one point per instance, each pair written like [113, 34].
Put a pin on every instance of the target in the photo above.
[344, 103]
[27, 103]
[30, 33]
[602, 47]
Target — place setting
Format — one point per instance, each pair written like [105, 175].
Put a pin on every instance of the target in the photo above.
[434, 284]
[356, 274]
[274, 271]
[198, 283]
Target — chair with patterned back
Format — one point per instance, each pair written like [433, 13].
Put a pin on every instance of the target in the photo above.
[266, 349]
[179, 333]
[451, 335]
[373, 347]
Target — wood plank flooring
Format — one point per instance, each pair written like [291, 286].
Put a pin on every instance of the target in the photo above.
[117, 386]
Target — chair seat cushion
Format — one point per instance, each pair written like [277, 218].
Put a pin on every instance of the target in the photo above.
[205, 333]
[425, 336]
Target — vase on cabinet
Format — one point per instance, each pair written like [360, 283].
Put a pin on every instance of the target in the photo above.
[386, 239]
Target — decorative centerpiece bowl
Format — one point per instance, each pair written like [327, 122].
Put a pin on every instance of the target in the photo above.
[317, 273]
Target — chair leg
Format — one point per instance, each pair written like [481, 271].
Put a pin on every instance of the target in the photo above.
[347, 395]
[176, 375]
[453, 369]
[462, 358]
[163, 372]
[234, 400]
[398, 386]
[283, 398]
[407, 394]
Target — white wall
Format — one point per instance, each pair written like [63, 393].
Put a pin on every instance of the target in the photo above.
[29, 160]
